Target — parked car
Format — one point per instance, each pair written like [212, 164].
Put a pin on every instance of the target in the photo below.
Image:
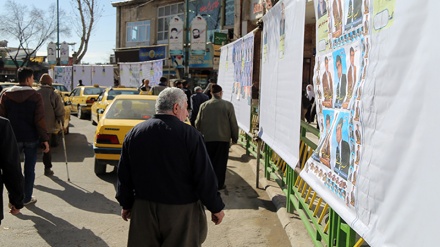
[81, 99]
[6, 85]
[61, 89]
[121, 116]
[105, 98]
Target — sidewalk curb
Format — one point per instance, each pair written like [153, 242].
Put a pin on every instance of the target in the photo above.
[278, 198]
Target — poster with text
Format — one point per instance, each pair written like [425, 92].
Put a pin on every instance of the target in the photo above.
[63, 75]
[175, 37]
[83, 73]
[235, 77]
[372, 111]
[198, 35]
[103, 75]
[131, 74]
[281, 78]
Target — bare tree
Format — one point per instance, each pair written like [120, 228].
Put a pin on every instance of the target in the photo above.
[88, 13]
[31, 29]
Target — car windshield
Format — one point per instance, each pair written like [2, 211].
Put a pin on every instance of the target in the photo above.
[140, 109]
[93, 90]
[112, 93]
[61, 88]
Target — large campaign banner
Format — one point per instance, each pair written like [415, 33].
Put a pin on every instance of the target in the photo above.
[83, 73]
[281, 78]
[131, 74]
[376, 84]
[63, 75]
[102, 75]
[235, 77]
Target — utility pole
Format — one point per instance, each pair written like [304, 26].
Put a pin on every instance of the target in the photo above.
[187, 51]
[58, 32]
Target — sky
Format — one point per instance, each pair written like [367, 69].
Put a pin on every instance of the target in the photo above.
[102, 40]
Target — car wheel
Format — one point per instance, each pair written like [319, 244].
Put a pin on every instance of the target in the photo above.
[80, 113]
[99, 167]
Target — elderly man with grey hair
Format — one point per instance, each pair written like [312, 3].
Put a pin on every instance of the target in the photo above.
[196, 100]
[162, 190]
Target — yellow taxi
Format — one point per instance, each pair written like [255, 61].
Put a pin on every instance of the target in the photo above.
[61, 89]
[121, 116]
[105, 98]
[81, 99]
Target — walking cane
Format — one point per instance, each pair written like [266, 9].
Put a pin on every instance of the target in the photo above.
[65, 152]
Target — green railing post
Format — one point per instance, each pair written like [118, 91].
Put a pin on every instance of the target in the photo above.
[248, 143]
[267, 161]
[290, 183]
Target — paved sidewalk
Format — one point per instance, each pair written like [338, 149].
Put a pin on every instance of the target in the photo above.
[291, 223]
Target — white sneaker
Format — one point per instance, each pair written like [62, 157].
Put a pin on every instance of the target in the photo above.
[32, 201]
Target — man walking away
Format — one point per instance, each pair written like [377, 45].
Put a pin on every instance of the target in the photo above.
[23, 106]
[208, 88]
[196, 100]
[188, 94]
[217, 122]
[53, 115]
[155, 90]
[10, 169]
[163, 196]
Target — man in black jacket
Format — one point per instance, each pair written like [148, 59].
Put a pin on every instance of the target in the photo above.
[10, 174]
[162, 190]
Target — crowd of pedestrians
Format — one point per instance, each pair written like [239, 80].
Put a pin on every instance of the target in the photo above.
[165, 195]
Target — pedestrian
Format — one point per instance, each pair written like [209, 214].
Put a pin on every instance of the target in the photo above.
[24, 107]
[208, 87]
[196, 100]
[178, 84]
[311, 110]
[145, 87]
[10, 169]
[188, 93]
[80, 83]
[217, 122]
[163, 193]
[53, 115]
[155, 90]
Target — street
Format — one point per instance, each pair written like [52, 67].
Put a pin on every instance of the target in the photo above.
[84, 211]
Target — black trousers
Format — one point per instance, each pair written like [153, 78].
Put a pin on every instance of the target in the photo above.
[155, 224]
[219, 153]
[47, 157]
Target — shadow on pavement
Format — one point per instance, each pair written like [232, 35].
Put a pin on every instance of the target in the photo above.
[239, 194]
[58, 232]
[81, 198]
[77, 147]
[110, 177]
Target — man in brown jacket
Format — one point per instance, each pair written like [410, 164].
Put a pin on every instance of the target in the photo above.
[24, 108]
[217, 122]
[53, 115]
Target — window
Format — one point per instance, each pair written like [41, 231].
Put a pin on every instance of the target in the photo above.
[138, 32]
[164, 15]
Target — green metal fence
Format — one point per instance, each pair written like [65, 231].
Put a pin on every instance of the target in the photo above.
[324, 225]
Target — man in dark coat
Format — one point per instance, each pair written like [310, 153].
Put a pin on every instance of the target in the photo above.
[163, 195]
[197, 99]
[10, 167]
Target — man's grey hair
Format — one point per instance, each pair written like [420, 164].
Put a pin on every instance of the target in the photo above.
[168, 97]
